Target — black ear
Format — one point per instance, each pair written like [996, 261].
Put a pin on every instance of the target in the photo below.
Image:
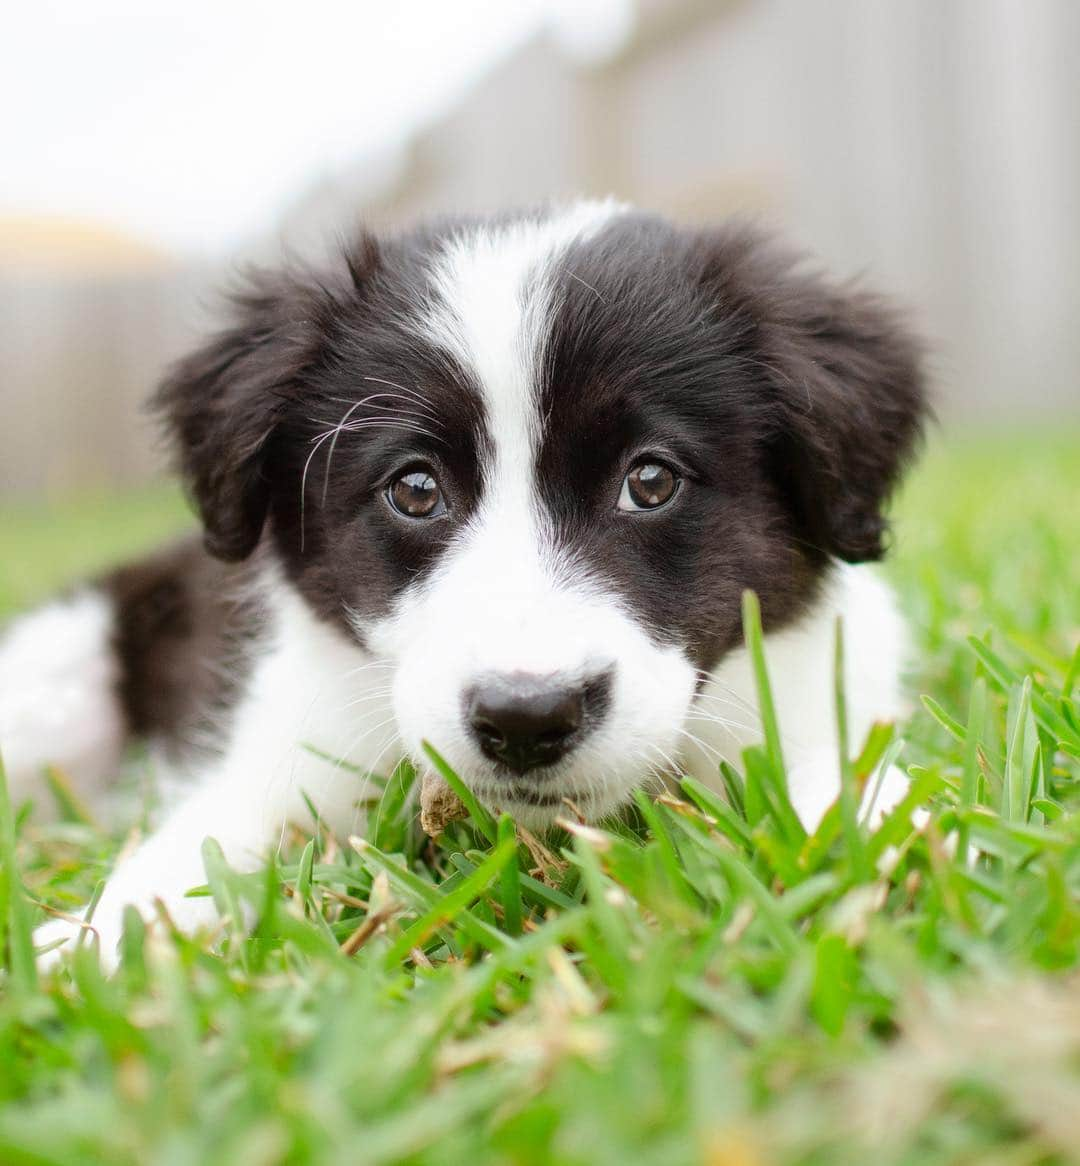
[222, 403]
[847, 397]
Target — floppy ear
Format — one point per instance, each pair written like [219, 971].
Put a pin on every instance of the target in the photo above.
[847, 393]
[221, 404]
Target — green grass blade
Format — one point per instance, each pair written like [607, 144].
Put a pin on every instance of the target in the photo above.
[510, 882]
[755, 645]
[777, 793]
[449, 907]
[1072, 675]
[221, 879]
[427, 897]
[711, 804]
[16, 932]
[948, 723]
[1020, 756]
[849, 793]
[734, 788]
[972, 738]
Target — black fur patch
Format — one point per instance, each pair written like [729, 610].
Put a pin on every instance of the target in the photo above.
[300, 415]
[185, 623]
[788, 406]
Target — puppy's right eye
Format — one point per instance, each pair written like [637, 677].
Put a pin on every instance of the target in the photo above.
[416, 495]
[648, 486]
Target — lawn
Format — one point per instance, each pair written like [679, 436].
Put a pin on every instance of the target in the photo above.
[700, 983]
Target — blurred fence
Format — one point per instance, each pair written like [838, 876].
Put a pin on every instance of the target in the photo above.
[935, 147]
[932, 147]
[78, 354]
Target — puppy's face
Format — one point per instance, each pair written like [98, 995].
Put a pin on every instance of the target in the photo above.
[534, 464]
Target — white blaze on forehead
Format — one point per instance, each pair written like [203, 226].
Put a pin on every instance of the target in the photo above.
[502, 599]
[494, 299]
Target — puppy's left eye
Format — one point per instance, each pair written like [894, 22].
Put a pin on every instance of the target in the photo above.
[416, 495]
[648, 486]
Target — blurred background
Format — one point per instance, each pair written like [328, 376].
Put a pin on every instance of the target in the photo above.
[146, 150]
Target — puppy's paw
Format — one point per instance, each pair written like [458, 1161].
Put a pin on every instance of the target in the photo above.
[56, 939]
[61, 936]
[814, 784]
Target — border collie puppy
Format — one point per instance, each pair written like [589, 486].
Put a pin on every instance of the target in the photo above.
[498, 485]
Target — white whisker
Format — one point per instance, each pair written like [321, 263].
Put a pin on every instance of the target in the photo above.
[347, 425]
[415, 402]
[378, 694]
[377, 663]
[716, 691]
[704, 745]
[413, 393]
[733, 727]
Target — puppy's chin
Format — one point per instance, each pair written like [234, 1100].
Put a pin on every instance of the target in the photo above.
[574, 789]
[540, 813]
[537, 807]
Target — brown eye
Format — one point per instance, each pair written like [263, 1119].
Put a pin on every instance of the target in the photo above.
[416, 495]
[648, 486]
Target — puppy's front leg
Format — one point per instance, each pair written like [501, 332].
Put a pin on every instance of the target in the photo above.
[814, 784]
[169, 863]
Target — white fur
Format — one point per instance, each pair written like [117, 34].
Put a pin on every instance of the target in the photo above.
[494, 290]
[58, 704]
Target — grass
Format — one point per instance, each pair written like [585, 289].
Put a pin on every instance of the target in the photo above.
[701, 983]
[47, 545]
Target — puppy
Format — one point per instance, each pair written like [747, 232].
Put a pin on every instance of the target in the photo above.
[497, 485]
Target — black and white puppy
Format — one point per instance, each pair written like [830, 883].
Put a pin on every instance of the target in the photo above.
[497, 485]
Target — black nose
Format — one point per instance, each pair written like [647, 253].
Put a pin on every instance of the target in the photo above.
[526, 721]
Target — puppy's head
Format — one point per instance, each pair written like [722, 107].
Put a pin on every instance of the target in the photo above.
[533, 464]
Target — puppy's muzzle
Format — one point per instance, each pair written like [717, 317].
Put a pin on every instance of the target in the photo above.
[524, 721]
